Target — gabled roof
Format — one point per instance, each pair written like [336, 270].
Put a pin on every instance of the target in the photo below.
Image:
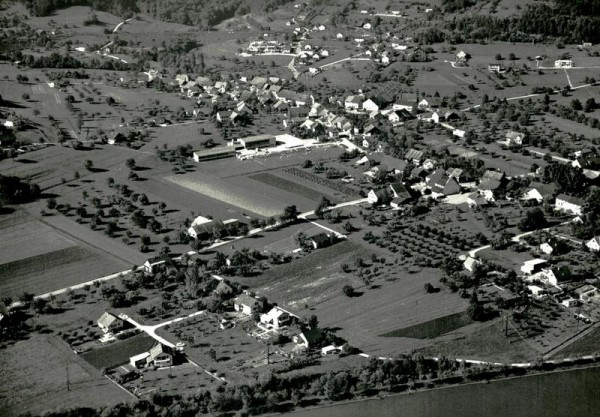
[106, 319]
[492, 175]
[245, 299]
[414, 154]
[570, 199]
[156, 350]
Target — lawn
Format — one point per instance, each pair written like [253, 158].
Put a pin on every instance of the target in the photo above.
[34, 379]
[287, 185]
[587, 345]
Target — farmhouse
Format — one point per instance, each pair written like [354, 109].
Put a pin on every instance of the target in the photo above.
[568, 204]
[440, 183]
[533, 194]
[490, 183]
[533, 266]
[476, 200]
[462, 57]
[398, 116]
[258, 141]
[276, 318]
[211, 229]
[407, 104]
[378, 197]
[214, 153]
[593, 244]
[401, 194]
[471, 264]
[557, 275]
[554, 247]
[246, 304]
[109, 323]
[430, 102]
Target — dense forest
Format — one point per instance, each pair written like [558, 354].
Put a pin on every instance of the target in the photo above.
[569, 21]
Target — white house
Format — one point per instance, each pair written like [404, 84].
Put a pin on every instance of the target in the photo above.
[533, 194]
[339, 36]
[471, 264]
[593, 244]
[533, 266]
[385, 60]
[353, 102]
[369, 105]
[569, 204]
[246, 304]
[538, 292]
[108, 322]
[563, 63]
[367, 26]
[276, 318]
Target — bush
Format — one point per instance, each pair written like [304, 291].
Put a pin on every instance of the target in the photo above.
[348, 290]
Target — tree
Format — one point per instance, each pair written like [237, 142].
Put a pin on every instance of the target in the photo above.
[590, 105]
[130, 163]
[88, 164]
[290, 214]
[576, 105]
[429, 288]
[476, 310]
[348, 290]
[51, 203]
[498, 57]
[534, 219]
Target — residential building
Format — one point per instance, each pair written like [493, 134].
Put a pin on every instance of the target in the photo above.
[593, 244]
[514, 138]
[246, 304]
[276, 318]
[320, 240]
[370, 106]
[563, 63]
[353, 102]
[588, 293]
[569, 204]
[109, 323]
[532, 266]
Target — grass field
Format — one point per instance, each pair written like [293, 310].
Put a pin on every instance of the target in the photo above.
[432, 328]
[37, 258]
[287, 185]
[34, 379]
[587, 345]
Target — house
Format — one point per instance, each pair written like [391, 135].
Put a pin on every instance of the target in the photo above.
[223, 289]
[532, 266]
[533, 194]
[308, 337]
[109, 323]
[276, 318]
[385, 60]
[407, 104]
[370, 130]
[330, 350]
[440, 183]
[490, 183]
[455, 172]
[398, 116]
[471, 264]
[257, 142]
[569, 204]
[497, 68]
[557, 275]
[476, 200]
[353, 102]
[212, 229]
[593, 244]
[320, 240]
[414, 156]
[370, 106]
[339, 36]
[451, 116]
[246, 304]
[125, 373]
[224, 116]
[514, 138]
[554, 247]
[140, 360]
[367, 26]
[378, 196]
[429, 102]
[563, 63]
[462, 57]
[401, 194]
[587, 293]
[151, 265]
[537, 292]
[160, 356]
[569, 302]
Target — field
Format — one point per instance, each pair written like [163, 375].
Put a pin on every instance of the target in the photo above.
[587, 345]
[37, 258]
[34, 379]
[433, 328]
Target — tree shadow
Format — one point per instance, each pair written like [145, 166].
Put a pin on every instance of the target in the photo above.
[26, 161]
[12, 105]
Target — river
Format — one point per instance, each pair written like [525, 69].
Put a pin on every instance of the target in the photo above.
[561, 394]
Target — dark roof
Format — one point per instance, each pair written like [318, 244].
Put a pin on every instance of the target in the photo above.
[320, 238]
[119, 352]
[570, 199]
[414, 154]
